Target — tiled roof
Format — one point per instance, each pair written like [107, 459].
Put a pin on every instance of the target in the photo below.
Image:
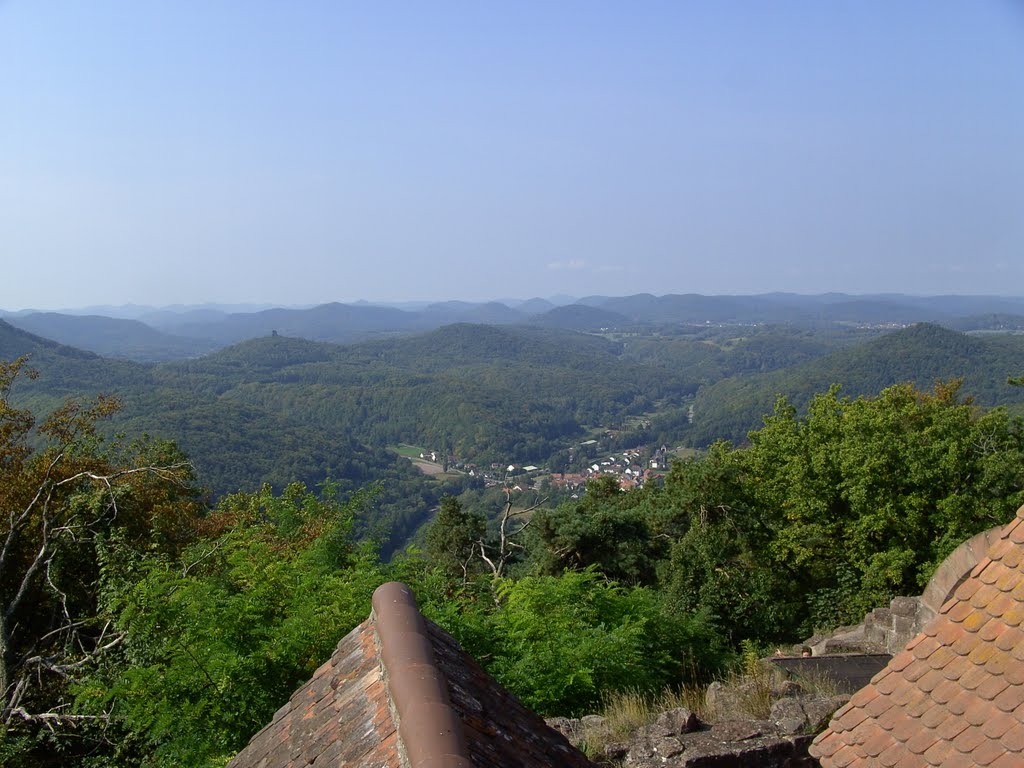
[400, 691]
[955, 695]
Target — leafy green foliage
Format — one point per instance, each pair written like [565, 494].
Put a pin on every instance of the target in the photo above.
[562, 642]
[218, 638]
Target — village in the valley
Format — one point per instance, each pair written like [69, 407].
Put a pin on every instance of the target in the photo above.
[633, 467]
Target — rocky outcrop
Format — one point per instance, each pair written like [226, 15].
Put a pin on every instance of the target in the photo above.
[679, 739]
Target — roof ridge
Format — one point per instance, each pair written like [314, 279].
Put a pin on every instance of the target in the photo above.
[429, 729]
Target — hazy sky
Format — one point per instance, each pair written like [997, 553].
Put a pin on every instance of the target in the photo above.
[301, 152]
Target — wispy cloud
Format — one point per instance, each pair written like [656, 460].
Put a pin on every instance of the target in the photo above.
[571, 264]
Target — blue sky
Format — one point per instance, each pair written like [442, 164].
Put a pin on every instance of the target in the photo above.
[302, 152]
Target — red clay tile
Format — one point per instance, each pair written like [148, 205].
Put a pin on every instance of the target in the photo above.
[905, 727]
[939, 753]
[992, 687]
[946, 726]
[1016, 534]
[1006, 760]
[973, 677]
[1014, 617]
[979, 712]
[888, 684]
[999, 663]
[918, 708]
[992, 572]
[998, 724]
[1013, 558]
[986, 753]
[1010, 639]
[845, 757]
[981, 655]
[863, 697]
[912, 644]
[967, 589]
[878, 706]
[921, 741]
[891, 756]
[985, 595]
[925, 648]
[852, 718]
[1018, 591]
[877, 744]
[968, 740]
[901, 661]
[979, 568]
[974, 621]
[945, 691]
[1010, 699]
[1014, 674]
[959, 703]
[931, 680]
[992, 630]
[1000, 549]
[1008, 580]
[960, 611]
[955, 671]
[964, 644]
[915, 671]
[947, 632]
[1000, 605]
[941, 657]
[1013, 739]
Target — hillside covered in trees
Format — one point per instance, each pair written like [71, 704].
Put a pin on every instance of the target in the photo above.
[143, 625]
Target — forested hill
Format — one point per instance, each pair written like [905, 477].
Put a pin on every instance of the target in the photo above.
[234, 445]
[276, 409]
[922, 354]
[486, 393]
[169, 334]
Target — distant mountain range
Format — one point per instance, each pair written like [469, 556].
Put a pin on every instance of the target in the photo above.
[147, 334]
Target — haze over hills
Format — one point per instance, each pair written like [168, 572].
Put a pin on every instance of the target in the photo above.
[329, 391]
[175, 333]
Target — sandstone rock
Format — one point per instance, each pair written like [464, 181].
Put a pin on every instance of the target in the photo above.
[676, 722]
[805, 714]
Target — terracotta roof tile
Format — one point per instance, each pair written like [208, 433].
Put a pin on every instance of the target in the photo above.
[926, 647]
[1015, 616]
[1013, 739]
[931, 680]
[966, 590]
[901, 661]
[993, 629]
[955, 695]
[1016, 534]
[986, 753]
[1010, 639]
[343, 715]
[975, 621]
[942, 656]
[1006, 760]
[998, 724]
[1013, 558]
[965, 642]
[959, 611]
[921, 741]
[938, 753]
[891, 756]
[992, 687]
[959, 703]
[914, 672]
[945, 691]
[978, 712]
